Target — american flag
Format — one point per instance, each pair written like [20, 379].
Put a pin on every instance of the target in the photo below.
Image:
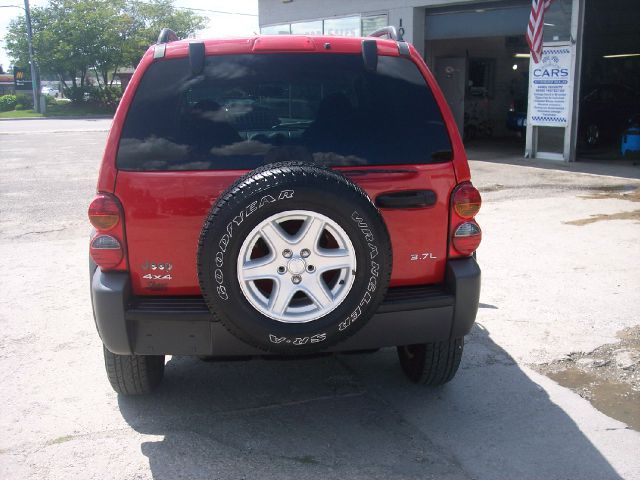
[534, 29]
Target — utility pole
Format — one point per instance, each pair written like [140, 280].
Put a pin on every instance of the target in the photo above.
[34, 79]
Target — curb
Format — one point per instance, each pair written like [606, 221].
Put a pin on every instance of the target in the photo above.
[86, 117]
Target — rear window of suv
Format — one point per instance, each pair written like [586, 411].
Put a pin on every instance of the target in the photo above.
[248, 110]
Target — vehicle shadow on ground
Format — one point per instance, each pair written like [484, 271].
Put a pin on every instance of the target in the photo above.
[355, 416]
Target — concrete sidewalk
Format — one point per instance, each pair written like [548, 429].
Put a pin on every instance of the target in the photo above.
[81, 117]
[513, 154]
[54, 125]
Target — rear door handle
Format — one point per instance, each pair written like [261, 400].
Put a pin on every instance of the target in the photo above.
[407, 199]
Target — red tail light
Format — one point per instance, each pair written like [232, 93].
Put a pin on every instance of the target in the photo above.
[104, 212]
[107, 250]
[464, 232]
[466, 201]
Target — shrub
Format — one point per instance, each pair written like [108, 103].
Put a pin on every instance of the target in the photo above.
[50, 100]
[108, 97]
[23, 102]
[76, 94]
[7, 103]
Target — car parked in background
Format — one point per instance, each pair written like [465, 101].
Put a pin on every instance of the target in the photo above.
[605, 113]
[50, 91]
[517, 116]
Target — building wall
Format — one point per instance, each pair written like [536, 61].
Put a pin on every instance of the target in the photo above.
[275, 11]
[411, 12]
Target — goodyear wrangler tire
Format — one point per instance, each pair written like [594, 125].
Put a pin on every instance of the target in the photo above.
[294, 258]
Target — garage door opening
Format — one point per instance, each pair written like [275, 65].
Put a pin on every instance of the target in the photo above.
[610, 81]
[479, 56]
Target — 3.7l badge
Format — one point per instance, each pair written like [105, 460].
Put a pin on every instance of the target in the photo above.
[423, 256]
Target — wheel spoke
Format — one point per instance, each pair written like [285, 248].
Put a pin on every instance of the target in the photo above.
[281, 296]
[260, 268]
[309, 232]
[315, 288]
[332, 259]
[276, 237]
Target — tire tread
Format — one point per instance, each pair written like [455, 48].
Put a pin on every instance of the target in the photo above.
[133, 374]
[437, 364]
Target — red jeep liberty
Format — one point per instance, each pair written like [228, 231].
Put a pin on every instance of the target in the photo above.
[284, 195]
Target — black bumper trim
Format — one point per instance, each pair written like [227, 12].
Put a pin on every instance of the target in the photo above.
[195, 309]
[177, 308]
[184, 325]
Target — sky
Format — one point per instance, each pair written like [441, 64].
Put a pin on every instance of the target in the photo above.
[220, 24]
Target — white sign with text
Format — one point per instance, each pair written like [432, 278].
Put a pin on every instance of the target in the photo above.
[551, 87]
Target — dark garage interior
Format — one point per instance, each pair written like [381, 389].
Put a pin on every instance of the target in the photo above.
[610, 81]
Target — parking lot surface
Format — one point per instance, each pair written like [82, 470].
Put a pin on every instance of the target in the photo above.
[560, 259]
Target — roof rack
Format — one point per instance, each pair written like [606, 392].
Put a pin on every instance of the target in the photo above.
[167, 35]
[391, 32]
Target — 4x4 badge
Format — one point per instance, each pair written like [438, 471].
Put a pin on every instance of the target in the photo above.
[150, 276]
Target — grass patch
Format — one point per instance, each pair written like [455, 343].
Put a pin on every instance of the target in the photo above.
[20, 114]
[62, 109]
[69, 109]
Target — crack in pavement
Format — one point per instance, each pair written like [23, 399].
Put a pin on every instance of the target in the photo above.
[40, 232]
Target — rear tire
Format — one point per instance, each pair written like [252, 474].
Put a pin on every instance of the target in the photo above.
[431, 364]
[133, 374]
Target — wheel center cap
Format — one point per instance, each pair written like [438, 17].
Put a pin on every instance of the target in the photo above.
[296, 266]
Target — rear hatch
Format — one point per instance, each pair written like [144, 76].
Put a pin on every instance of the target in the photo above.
[187, 138]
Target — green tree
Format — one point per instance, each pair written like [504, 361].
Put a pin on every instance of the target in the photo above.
[76, 39]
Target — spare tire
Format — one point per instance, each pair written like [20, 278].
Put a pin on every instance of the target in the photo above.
[294, 258]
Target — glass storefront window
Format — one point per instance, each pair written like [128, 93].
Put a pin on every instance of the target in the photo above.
[557, 21]
[371, 23]
[307, 28]
[354, 26]
[347, 26]
[276, 30]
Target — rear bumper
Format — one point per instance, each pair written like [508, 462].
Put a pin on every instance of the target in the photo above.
[184, 326]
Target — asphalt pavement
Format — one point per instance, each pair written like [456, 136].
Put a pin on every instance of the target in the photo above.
[560, 262]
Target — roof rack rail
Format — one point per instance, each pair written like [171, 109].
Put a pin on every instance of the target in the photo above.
[167, 35]
[390, 31]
